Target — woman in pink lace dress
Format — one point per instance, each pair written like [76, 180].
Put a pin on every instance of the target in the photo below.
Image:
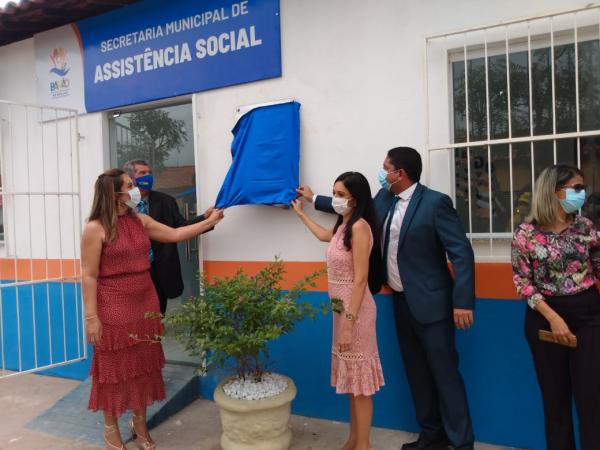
[355, 366]
[117, 294]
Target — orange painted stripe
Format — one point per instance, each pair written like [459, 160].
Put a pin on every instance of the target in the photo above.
[492, 280]
[38, 269]
[295, 271]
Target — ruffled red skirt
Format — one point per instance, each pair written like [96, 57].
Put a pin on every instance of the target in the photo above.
[126, 366]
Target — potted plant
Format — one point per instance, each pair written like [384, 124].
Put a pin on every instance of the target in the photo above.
[234, 319]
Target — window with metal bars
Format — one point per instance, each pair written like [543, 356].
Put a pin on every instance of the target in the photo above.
[541, 153]
[522, 95]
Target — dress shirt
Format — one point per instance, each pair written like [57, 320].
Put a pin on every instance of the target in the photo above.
[146, 200]
[143, 207]
[393, 272]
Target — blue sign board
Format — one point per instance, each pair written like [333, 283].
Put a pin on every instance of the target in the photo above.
[158, 49]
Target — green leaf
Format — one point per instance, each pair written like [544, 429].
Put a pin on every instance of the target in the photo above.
[337, 305]
[235, 318]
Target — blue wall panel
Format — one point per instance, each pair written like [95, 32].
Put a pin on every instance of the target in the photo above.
[44, 302]
[495, 361]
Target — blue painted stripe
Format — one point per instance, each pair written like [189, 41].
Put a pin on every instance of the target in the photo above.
[43, 303]
[495, 362]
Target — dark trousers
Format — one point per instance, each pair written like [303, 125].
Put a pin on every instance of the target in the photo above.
[162, 298]
[564, 373]
[431, 364]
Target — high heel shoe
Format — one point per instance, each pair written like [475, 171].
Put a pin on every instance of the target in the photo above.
[110, 429]
[141, 442]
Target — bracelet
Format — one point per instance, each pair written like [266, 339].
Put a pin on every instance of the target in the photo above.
[95, 316]
[351, 317]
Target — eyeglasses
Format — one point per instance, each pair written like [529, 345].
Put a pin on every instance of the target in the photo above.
[576, 187]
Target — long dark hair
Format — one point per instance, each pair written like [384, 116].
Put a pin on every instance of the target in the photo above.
[104, 206]
[359, 188]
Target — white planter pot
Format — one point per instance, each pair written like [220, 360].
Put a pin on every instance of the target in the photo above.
[256, 424]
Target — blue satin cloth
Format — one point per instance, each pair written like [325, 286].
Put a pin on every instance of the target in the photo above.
[266, 157]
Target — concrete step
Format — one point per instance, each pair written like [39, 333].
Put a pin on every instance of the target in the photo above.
[70, 418]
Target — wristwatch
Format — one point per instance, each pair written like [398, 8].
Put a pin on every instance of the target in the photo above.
[351, 317]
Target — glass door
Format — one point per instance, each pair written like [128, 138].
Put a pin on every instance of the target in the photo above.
[164, 137]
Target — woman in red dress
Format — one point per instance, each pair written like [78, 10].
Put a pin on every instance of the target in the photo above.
[118, 293]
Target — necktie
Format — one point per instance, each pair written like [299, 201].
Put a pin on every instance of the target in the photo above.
[386, 241]
[143, 209]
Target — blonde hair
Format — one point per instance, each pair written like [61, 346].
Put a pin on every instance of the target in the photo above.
[104, 206]
[545, 205]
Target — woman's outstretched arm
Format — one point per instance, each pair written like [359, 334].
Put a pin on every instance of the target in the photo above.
[163, 233]
[320, 233]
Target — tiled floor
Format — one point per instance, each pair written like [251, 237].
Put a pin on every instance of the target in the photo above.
[197, 427]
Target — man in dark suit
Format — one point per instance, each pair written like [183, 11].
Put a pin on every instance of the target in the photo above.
[165, 266]
[420, 231]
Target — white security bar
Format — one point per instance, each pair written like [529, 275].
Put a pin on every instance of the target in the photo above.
[40, 192]
[557, 36]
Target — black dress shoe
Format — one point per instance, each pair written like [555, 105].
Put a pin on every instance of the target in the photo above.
[422, 444]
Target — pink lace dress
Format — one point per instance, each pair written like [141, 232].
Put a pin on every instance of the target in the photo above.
[357, 371]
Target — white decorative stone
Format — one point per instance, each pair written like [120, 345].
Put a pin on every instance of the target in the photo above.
[256, 424]
[270, 385]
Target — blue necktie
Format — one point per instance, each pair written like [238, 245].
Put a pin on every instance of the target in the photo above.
[143, 209]
[386, 241]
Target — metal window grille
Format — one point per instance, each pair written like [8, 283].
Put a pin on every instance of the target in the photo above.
[503, 102]
[41, 310]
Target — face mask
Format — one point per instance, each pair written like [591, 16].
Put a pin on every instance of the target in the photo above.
[573, 200]
[145, 182]
[383, 179]
[135, 196]
[340, 205]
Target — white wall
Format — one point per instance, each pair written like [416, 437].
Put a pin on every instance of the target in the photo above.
[41, 154]
[358, 70]
[17, 72]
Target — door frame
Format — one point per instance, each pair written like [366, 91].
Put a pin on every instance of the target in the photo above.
[162, 103]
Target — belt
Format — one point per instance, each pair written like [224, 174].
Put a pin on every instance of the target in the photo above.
[333, 280]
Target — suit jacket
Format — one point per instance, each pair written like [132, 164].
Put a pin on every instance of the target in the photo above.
[431, 233]
[166, 266]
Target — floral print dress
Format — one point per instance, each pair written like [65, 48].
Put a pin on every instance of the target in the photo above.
[551, 264]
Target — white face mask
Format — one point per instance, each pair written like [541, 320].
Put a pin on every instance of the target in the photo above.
[340, 205]
[135, 196]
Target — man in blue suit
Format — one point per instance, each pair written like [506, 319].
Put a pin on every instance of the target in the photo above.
[421, 231]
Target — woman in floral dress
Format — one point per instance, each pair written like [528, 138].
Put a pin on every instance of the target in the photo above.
[556, 262]
[355, 366]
